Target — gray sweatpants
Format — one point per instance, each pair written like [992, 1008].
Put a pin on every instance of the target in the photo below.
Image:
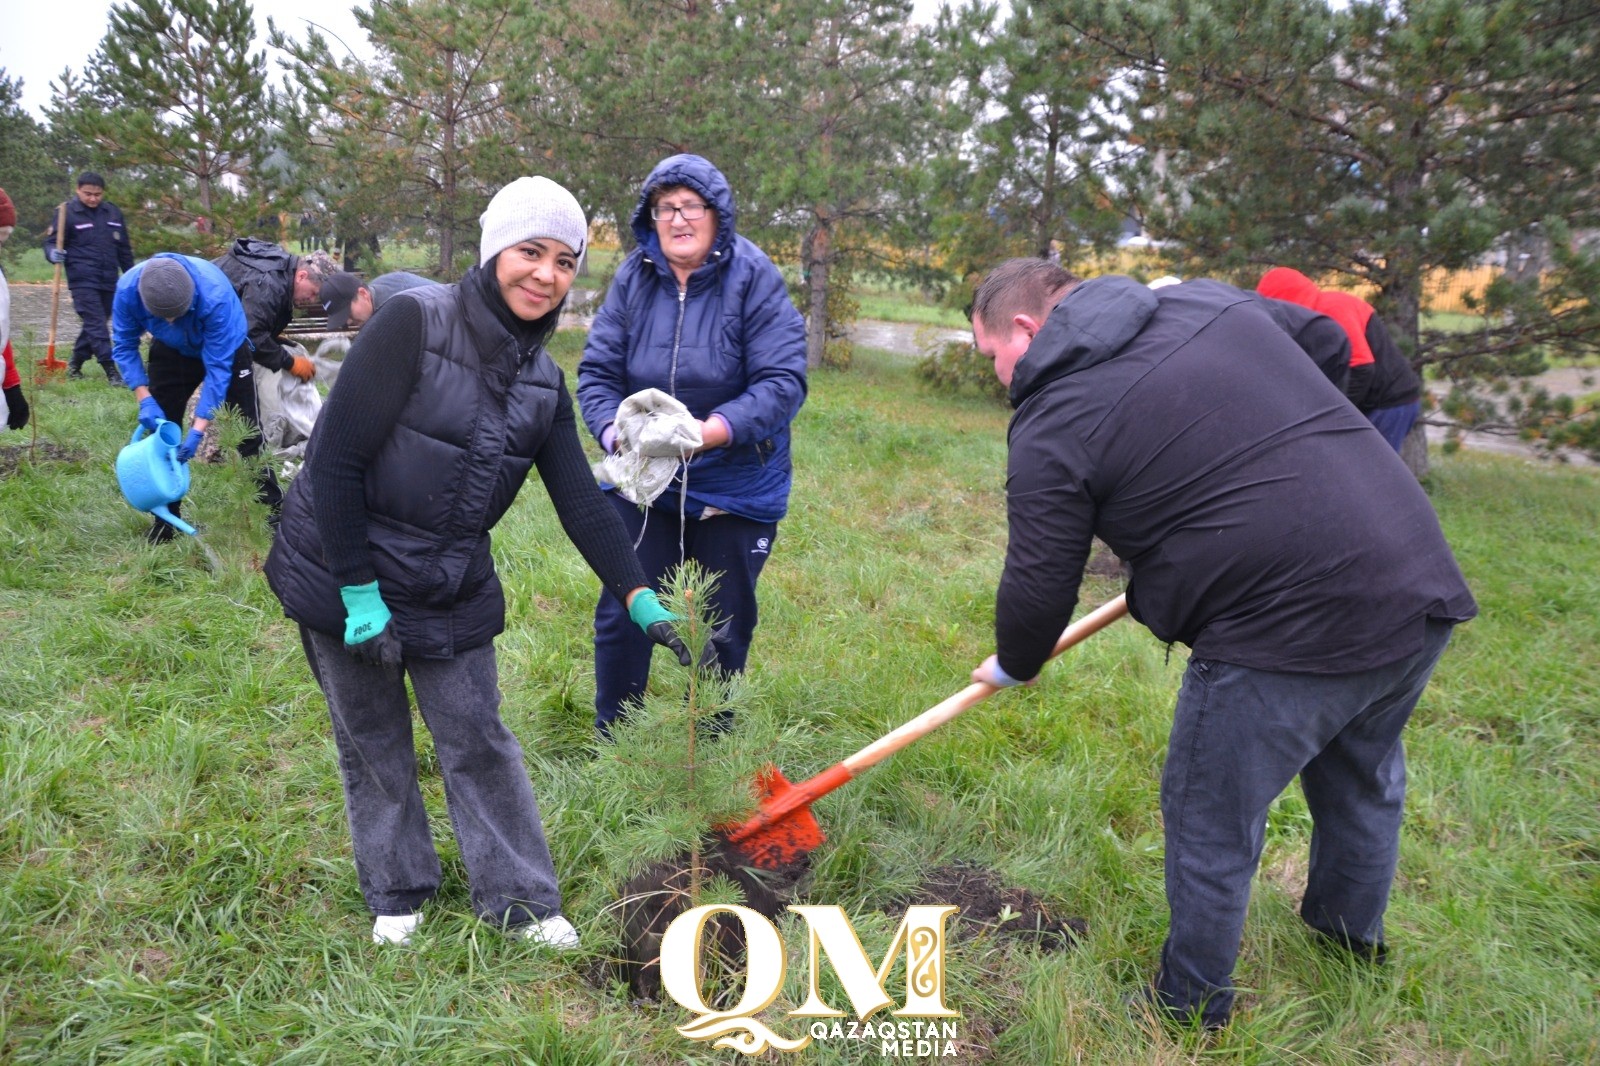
[487, 791]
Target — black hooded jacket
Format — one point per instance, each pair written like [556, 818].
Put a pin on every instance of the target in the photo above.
[1265, 521]
[263, 275]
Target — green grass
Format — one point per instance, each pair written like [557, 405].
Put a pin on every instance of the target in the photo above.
[175, 873]
[29, 265]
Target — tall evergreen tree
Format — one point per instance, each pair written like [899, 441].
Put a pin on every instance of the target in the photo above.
[819, 114]
[640, 80]
[1042, 139]
[32, 177]
[846, 100]
[175, 96]
[424, 134]
[1380, 143]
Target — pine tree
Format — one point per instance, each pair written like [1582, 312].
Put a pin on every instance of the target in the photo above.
[1040, 147]
[1376, 144]
[32, 178]
[821, 116]
[859, 97]
[423, 135]
[175, 97]
[672, 774]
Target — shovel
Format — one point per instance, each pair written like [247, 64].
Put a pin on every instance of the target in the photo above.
[784, 830]
[50, 362]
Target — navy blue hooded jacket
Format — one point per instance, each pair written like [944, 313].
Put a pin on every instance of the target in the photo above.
[1266, 523]
[734, 345]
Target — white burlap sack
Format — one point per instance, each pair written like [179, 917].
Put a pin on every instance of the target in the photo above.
[655, 433]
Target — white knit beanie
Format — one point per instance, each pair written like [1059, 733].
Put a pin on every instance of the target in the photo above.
[530, 208]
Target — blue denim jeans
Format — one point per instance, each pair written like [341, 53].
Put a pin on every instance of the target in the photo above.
[1395, 422]
[1239, 737]
[486, 787]
[732, 547]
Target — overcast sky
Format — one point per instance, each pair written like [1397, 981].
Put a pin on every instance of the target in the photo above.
[40, 37]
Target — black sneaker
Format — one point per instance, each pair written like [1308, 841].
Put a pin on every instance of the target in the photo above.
[160, 532]
[114, 379]
[75, 373]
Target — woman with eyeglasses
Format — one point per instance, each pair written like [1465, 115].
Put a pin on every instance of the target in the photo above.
[700, 313]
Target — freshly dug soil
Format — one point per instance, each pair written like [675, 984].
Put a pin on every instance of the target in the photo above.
[1103, 562]
[989, 908]
[660, 892]
[14, 455]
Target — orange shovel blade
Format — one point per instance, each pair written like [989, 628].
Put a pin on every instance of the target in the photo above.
[784, 830]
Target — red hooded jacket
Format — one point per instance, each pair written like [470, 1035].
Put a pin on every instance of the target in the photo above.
[1380, 375]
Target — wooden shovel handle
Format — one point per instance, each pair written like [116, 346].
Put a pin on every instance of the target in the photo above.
[939, 714]
[55, 285]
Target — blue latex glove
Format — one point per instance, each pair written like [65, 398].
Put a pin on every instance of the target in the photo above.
[190, 444]
[150, 413]
[367, 632]
[52, 254]
[656, 621]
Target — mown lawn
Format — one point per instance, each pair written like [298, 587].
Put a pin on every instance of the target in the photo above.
[175, 874]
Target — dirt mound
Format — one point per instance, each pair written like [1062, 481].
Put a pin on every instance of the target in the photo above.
[989, 907]
[13, 455]
[660, 892]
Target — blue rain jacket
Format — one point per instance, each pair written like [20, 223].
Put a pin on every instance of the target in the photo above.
[734, 345]
[212, 331]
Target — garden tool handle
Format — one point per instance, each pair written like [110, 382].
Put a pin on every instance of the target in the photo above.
[939, 714]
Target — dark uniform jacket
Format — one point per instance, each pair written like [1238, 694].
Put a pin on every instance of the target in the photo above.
[97, 246]
[462, 448]
[263, 275]
[1265, 521]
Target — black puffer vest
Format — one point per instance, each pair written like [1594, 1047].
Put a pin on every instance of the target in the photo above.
[458, 455]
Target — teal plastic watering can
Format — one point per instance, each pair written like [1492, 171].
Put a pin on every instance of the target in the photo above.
[150, 475]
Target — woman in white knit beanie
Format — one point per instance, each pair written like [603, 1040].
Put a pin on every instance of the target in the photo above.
[446, 401]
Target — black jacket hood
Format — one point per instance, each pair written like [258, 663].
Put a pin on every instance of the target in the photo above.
[1091, 324]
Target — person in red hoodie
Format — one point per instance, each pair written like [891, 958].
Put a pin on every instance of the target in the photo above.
[1382, 384]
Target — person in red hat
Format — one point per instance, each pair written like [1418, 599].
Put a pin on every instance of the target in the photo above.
[15, 407]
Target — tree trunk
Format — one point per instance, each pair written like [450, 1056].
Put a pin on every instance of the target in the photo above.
[447, 192]
[1043, 240]
[1402, 292]
[1405, 299]
[820, 241]
[1414, 450]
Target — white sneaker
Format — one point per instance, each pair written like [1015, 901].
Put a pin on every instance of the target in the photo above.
[552, 932]
[395, 928]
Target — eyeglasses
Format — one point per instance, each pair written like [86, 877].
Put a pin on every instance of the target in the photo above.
[690, 212]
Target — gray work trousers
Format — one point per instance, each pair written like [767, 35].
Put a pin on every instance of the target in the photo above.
[486, 786]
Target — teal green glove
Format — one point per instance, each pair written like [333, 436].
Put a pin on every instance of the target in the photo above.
[367, 633]
[656, 621]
